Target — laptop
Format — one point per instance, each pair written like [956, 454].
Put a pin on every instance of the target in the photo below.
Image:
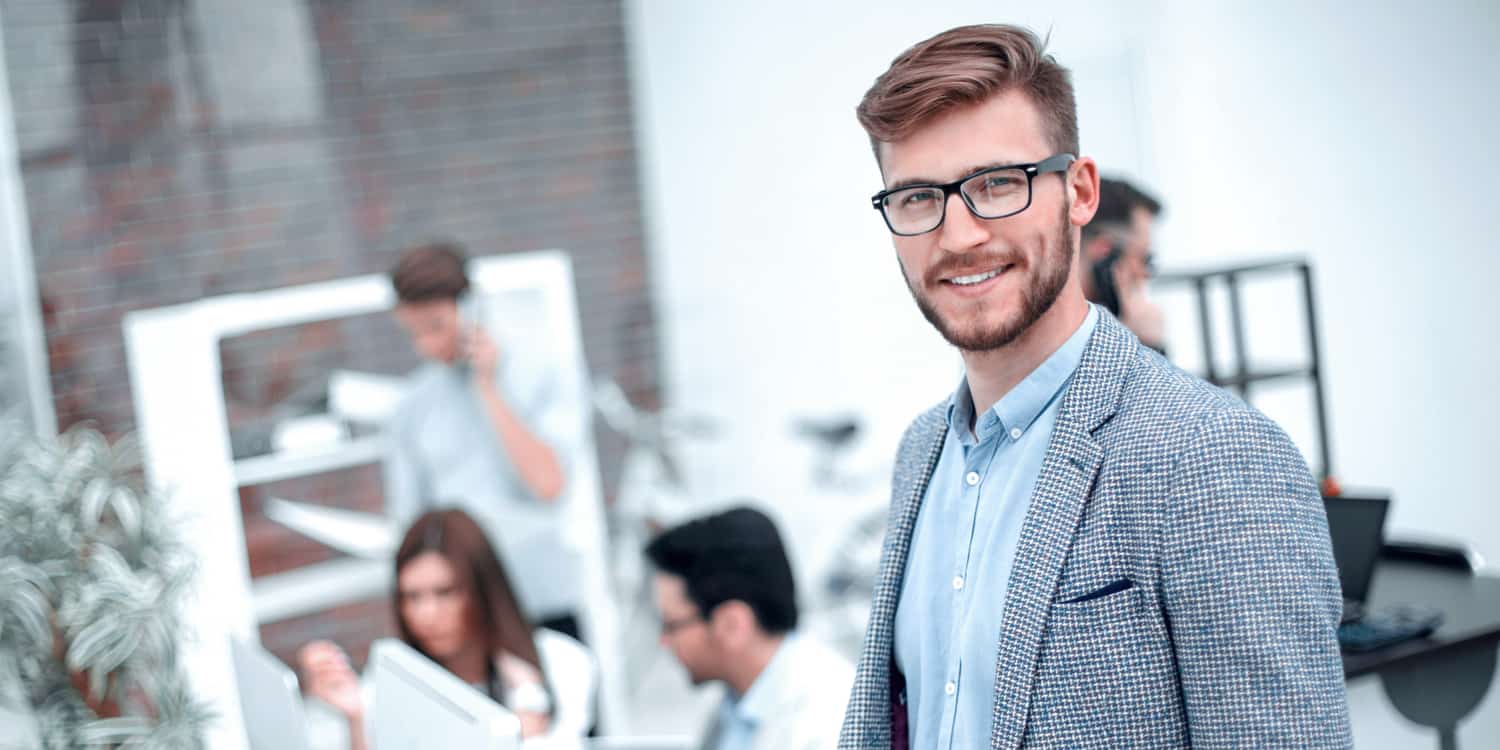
[420, 705]
[270, 700]
[1356, 526]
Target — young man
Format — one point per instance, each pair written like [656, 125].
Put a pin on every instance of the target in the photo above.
[1088, 548]
[1116, 258]
[481, 428]
[728, 608]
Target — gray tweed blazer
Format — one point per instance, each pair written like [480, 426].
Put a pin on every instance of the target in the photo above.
[1173, 584]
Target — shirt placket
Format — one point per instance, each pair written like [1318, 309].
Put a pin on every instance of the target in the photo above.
[977, 459]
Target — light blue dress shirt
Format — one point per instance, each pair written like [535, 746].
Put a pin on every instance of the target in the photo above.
[442, 450]
[740, 717]
[964, 546]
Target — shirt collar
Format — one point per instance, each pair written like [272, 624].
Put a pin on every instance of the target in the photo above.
[758, 702]
[1028, 399]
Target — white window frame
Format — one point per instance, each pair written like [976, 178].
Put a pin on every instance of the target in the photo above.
[174, 362]
[20, 310]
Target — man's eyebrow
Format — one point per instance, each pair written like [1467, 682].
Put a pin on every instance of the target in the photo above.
[970, 172]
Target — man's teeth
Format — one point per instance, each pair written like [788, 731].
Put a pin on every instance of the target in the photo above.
[975, 279]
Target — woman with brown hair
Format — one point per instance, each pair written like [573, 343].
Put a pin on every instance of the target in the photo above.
[455, 605]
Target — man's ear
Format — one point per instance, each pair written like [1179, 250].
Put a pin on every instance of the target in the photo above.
[733, 621]
[1083, 188]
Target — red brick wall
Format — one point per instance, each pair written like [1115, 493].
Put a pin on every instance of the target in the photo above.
[172, 150]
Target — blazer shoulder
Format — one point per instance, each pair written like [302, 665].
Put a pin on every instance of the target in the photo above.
[923, 430]
[1163, 409]
[1187, 416]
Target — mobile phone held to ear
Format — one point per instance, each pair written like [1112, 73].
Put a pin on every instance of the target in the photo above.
[1104, 281]
[468, 310]
[468, 318]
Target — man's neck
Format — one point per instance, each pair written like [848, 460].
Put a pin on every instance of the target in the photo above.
[747, 669]
[992, 374]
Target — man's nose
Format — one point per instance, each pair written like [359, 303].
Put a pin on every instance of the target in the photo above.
[961, 229]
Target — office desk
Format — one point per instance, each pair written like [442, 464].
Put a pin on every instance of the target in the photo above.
[1435, 681]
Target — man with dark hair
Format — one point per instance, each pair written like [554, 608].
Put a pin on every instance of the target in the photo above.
[1087, 548]
[483, 431]
[729, 610]
[1116, 259]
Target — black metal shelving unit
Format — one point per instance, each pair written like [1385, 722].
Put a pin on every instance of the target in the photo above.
[1241, 376]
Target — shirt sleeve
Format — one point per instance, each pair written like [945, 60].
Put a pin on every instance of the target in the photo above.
[549, 403]
[406, 485]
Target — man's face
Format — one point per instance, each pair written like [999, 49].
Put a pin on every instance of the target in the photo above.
[433, 327]
[685, 632]
[981, 282]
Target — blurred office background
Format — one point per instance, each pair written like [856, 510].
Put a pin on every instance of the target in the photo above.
[701, 164]
[175, 150]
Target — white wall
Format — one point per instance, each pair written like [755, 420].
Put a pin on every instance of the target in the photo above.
[1362, 137]
[780, 293]
[1367, 141]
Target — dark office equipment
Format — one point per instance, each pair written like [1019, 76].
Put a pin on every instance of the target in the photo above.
[1430, 553]
[1438, 680]
[1381, 628]
[1356, 526]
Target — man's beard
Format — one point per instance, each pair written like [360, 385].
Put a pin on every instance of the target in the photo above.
[1050, 276]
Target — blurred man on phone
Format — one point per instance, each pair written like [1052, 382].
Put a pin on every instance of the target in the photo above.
[484, 428]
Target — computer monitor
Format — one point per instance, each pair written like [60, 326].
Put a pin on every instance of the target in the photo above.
[420, 705]
[1356, 526]
[270, 701]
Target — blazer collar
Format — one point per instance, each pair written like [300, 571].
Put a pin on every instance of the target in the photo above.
[1062, 490]
[1066, 479]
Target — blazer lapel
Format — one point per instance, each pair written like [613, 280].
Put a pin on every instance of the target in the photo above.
[1057, 502]
[909, 483]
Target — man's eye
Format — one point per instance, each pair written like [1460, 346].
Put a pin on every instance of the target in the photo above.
[917, 198]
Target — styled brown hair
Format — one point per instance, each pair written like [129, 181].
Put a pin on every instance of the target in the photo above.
[430, 272]
[968, 65]
[497, 616]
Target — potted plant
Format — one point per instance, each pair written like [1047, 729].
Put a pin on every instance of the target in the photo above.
[92, 576]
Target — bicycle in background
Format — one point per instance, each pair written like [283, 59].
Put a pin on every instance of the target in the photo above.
[838, 601]
[652, 495]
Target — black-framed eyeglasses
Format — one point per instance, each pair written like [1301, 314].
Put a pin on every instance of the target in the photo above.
[993, 193]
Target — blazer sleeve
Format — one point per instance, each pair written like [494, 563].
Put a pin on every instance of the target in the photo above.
[1250, 590]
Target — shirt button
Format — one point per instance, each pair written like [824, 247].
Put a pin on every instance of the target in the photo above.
[950, 688]
[972, 478]
[1015, 433]
[958, 582]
